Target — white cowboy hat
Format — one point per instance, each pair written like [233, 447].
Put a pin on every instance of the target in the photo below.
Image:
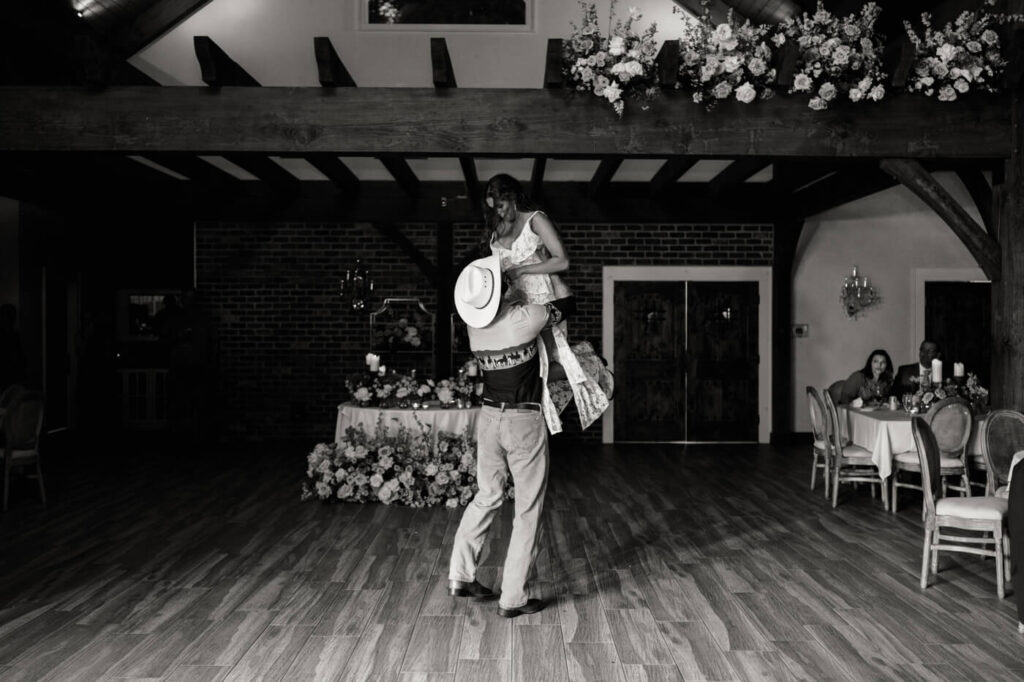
[478, 291]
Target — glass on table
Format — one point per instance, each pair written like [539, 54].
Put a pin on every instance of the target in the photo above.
[908, 401]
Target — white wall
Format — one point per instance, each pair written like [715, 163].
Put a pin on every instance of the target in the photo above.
[273, 41]
[9, 271]
[888, 236]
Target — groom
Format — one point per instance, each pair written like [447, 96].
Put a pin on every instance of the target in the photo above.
[511, 432]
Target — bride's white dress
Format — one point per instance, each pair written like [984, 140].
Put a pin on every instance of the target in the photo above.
[587, 380]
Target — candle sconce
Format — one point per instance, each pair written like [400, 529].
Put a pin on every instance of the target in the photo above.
[356, 287]
[857, 295]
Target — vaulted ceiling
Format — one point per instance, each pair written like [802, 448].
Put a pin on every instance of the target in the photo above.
[86, 43]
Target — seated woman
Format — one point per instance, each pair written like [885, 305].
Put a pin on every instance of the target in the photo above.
[872, 383]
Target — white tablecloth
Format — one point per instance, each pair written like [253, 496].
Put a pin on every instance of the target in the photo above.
[453, 420]
[887, 433]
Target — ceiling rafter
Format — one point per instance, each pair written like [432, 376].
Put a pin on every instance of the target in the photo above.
[441, 64]
[152, 23]
[603, 176]
[740, 170]
[335, 170]
[218, 68]
[670, 172]
[330, 69]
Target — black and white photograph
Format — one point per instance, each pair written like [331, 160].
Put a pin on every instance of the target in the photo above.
[511, 340]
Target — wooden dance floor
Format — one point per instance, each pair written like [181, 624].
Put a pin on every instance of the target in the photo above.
[659, 563]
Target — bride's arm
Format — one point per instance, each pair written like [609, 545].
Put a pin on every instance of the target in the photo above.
[558, 262]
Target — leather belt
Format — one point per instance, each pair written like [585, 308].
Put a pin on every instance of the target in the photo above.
[533, 407]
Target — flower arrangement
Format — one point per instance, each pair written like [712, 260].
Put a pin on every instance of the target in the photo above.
[617, 66]
[402, 334]
[838, 57]
[969, 389]
[961, 56]
[401, 390]
[395, 468]
[727, 60]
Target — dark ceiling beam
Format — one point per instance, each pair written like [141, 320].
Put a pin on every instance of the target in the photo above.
[739, 171]
[667, 63]
[603, 176]
[441, 64]
[719, 9]
[537, 176]
[982, 245]
[981, 193]
[394, 233]
[330, 69]
[267, 170]
[157, 19]
[335, 170]
[790, 175]
[670, 172]
[472, 180]
[219, 70]
[402, 173]
[204, 176]
[553, 76]
[855, 181]
[487, 122]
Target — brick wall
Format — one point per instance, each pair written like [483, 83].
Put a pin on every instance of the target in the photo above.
[287, 341]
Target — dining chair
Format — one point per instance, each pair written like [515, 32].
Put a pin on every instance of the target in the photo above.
[822, 448]
[986, 514]
[23, 425]
[850, 463]
[950, 420]
[10, 393]
[1002, 434]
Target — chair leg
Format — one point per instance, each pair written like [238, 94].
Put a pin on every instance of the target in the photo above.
[39, 473]
[1000, 588]
[884, 489]
[814, 469]
[835, 487]
[924, 557]
[935, 552]
[7, 477]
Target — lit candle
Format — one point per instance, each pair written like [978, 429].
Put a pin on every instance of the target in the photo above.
[369, 357]
[472, 369]
[382, 370]
[374, 362]
[958, 369]
[936, 371]
[480, 389]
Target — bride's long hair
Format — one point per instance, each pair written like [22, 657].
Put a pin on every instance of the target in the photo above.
[502, 187]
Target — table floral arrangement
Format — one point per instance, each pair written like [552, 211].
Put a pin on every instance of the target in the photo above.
[399, 469]
[967, 388]
[725, 60]
[402, 334]
[406, 390]
[962, 56]
[838, 57]
[618, 66]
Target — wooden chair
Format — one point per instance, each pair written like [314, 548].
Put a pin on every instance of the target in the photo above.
[950, 420]
[23, 425]
[850, 463]
[822, 448]
[1002, 434]
[986, 514]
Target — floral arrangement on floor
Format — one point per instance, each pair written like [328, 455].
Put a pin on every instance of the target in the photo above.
[969, 389]
[962, 56]
[838, 57]
[727, 60]
[399, 468]
[402, 390]
[618, 66]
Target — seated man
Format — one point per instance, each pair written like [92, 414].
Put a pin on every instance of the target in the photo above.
[908, 377]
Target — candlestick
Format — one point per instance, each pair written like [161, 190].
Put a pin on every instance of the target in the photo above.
[936, 371]
[958, 369]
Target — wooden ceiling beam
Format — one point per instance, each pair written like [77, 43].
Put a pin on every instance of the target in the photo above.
[670, 172]
[981, 244]
[157, 19]
[472, 180]
[603, 176]
[790, 175]
[394, 233]
[739, 171]
[267, 170]
[330, 69]
[981, 193]
[854, 181]
[219, 70]
[553, 76]
[441, 64]
[537, 176]
[402, 173]
[487, 122]
[335, 170]
[719, 9]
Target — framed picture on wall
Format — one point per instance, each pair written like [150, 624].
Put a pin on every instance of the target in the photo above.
[446, 15]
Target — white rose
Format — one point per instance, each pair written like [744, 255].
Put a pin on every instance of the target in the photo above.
[946, 52]
[731, 64]
[723, 32]
[616, 46]
[827, 92]
[961, 86]
[947, 94]
[801, 82]
[756, 66]
[746, 93]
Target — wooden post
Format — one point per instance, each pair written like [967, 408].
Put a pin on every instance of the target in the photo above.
[786, 236]
[445, 302]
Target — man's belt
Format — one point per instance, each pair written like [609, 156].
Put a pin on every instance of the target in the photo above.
[533, 407]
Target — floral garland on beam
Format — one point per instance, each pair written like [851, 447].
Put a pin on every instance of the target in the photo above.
[617, 67]
[717, 62]
[837, 56]
[962, 56]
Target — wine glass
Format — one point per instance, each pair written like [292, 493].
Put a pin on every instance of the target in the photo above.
[908, 401]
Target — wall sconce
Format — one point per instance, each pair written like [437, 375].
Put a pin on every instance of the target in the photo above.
[857, 294]
[356, 287]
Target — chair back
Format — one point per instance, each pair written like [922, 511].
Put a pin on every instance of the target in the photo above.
[832, 425]
[1002, 434]
[10, 393]
[817, 408]
[23, 421]
[928, 454]
[950, 420]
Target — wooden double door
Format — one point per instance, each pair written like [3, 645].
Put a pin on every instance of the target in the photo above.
[686, 361]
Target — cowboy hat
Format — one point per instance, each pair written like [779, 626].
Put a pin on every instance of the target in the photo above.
[478, 291]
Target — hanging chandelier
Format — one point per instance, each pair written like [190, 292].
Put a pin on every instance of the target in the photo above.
[856, 294]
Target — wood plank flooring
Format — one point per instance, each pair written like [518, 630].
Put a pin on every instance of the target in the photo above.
[658, 563]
